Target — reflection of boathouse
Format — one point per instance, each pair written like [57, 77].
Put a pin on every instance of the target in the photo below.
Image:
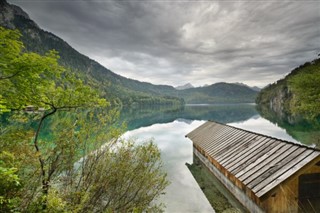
[265, 174]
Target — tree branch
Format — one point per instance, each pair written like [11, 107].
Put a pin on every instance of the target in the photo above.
[45, 183]
[10, 76]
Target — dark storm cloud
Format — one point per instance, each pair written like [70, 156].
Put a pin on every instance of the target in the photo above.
[202, 42]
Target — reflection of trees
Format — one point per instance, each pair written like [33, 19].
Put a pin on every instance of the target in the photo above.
[307, 132]
[142, 117]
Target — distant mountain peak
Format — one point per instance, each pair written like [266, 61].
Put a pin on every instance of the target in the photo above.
[185, 86]
[253, 88]
[220, 92]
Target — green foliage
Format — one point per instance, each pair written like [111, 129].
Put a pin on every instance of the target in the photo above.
[23, 75]
[306, 90]
[3, 105]
[9, 182]
[48, 165]
[10, 48]
[32, 79]
[121, 177]
[81, 184]
[297, 94]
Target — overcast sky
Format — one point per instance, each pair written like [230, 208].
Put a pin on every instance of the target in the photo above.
[177, 42]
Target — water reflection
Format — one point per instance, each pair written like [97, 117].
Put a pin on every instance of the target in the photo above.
[260, 125]
[142, 117]
[262, 121]
[168, 128]
[183, 194]
[301, 129]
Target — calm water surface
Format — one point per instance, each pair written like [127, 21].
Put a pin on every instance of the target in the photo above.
[168, 129]
[183, 194]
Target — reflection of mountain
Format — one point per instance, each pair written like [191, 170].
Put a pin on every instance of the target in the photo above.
[187, 121]
[142, 117]
[302, 130]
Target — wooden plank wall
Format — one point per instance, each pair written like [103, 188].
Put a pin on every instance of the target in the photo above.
[286, 197]
[264, 168]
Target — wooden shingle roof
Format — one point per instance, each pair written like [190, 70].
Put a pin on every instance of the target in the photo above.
[259, 162]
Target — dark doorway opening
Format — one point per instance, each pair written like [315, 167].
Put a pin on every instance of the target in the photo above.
[309, 192]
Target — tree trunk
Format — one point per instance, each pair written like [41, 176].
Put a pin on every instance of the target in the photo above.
[45, 180]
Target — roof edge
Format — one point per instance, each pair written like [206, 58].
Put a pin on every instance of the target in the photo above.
[260, 134]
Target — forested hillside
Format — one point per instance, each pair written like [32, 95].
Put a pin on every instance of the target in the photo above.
[219, 93]
[297, 94]
[116, 88]
[112, 85]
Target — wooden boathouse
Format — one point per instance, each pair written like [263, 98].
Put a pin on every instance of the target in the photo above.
[265, 174]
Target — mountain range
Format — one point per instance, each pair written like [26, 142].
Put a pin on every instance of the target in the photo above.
[114, 87]
[253, 88]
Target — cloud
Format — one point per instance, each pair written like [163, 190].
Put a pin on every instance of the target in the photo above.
[202, 42]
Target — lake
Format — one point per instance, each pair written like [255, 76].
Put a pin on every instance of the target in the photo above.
[168, 127]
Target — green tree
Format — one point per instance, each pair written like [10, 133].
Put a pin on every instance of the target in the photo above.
[101, 172]
[32, 79]
[23, 75]
[9, 182]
